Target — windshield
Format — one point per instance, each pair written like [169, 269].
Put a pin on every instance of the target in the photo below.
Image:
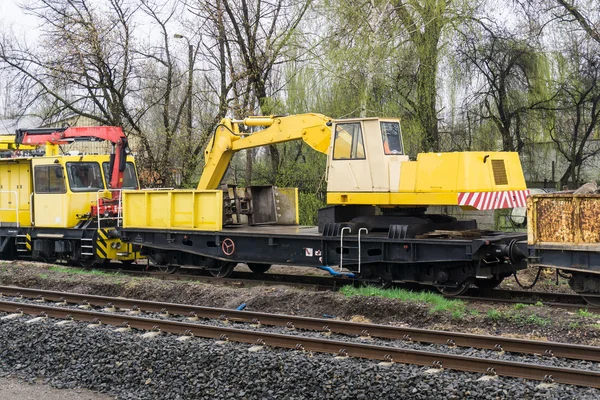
[129, 176]
[84, 176]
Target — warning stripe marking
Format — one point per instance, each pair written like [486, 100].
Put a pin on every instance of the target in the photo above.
[494, 200]
[101, 246]
[28, 241]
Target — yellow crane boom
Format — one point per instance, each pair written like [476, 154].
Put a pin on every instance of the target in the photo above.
[227, 140]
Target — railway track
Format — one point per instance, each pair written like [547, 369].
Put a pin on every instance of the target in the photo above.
[490, 366]
[249, 279]
[559, 300]
[322, 283]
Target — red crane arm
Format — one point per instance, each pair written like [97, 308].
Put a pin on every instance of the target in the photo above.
[113, 134]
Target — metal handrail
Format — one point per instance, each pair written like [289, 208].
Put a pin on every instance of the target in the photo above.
[360, 231]
[346, 228]
[16, 209]
[359, 246]
[119, 216]
[31, 218]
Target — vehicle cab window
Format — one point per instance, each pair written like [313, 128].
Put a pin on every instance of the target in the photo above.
[49, 179]
[129, 176]
[390, 133]
[84, 176]
[348, 142]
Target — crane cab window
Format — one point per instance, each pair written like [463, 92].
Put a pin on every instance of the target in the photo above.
[129, 176]
[390, 133]
[84, 176]
[348, 142]
[49, 179]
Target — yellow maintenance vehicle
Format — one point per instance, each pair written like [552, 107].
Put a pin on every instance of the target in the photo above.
[64, 206]
[375, 226]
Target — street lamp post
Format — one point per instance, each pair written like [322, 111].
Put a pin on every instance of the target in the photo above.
[190, 82]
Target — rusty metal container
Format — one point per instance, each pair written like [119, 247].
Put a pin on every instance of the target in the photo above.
[563, 218]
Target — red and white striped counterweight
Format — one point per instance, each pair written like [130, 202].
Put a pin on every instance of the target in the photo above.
[493, 200]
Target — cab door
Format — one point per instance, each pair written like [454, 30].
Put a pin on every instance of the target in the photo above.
[49, 197]
[348, 165]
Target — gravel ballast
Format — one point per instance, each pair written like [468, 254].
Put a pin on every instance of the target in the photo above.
[131, 367]
[459, 350]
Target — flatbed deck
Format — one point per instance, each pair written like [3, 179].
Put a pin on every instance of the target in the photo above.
[374, 253]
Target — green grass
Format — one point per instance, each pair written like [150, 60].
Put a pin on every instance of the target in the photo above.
[518, 318]
[44, 276]
[78, 271]
[494, 315]
[437, 302]
[534, 319]
[539, 304]
[519, 306]
[574, 325]
[584, 313]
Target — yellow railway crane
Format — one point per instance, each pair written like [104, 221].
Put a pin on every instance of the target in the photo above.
[372, 189]
[367, 163]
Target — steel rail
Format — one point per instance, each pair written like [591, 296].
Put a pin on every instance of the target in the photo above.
[324, 283]
[569, 376]
[243, 279]
[564, 350]
[576, 306]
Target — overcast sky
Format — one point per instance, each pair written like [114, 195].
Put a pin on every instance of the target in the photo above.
[11, 15]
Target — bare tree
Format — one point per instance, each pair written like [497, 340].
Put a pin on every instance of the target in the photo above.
[512, 88]
[578, 106]
[582, 16]
[253, 39]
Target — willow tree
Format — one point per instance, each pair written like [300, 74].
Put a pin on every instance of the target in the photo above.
[424, 21]
[511, 74]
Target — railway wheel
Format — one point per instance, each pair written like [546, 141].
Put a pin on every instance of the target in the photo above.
[593, 299]
[221, 269]
[455, 291]
[168, 269]
[488, 283]
[258, 268]
[87, 263]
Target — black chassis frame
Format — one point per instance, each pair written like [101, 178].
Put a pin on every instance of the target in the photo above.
[565, 258]
[443, 262]
[51, 236]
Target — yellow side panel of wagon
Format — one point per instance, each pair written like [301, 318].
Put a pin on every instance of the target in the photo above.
[173, 209]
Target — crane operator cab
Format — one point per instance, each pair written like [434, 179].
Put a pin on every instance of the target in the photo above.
[366, 157]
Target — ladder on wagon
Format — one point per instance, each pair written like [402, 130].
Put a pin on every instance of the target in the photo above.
[350, 248]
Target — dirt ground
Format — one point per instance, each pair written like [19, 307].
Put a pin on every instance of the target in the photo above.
[534, 322]
[14, 389]
[547, 281]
